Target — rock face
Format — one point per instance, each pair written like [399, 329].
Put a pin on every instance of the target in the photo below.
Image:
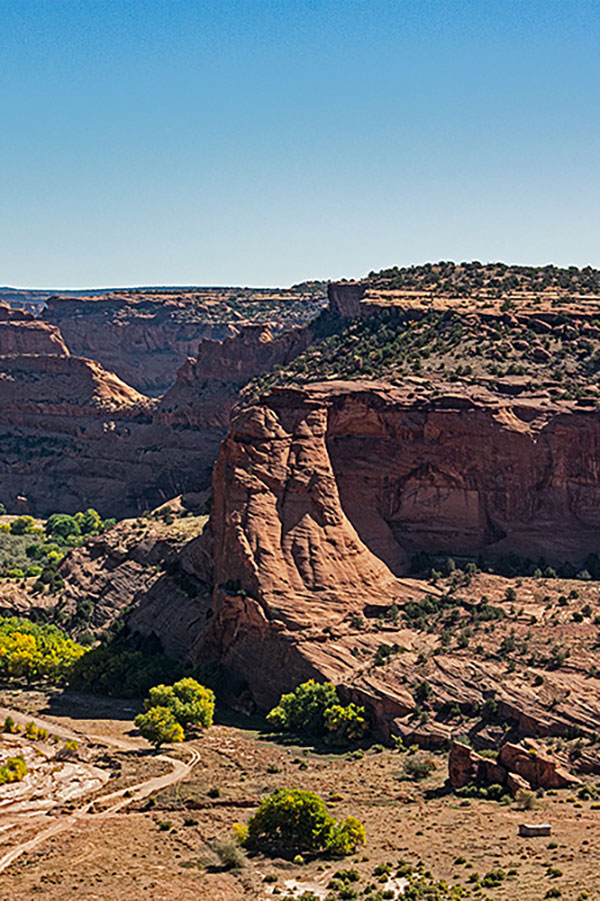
[345, 297]
[461, 474]
[138, 566]
[539, 770]
[516, 768]
[73, 435]
[320, 496]
[21, 333]
[145, 347]
[208, 387]
[145, 336]
[465, 766]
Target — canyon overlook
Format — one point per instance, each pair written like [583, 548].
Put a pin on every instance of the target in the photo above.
[400, 422]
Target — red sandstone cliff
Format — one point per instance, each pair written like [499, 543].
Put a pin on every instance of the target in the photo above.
[73, 435]
[146, 336]
[321, 494]
[208, 387]
[144, 346]
[21, 333]
[77, 435]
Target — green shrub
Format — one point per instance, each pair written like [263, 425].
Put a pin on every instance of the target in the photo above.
[417, 768]
[230, 855]
[61, 525]
[13, 770]
[290, 821]
[526, 799]
[33, 651]
[191, 703]
[159, 726]
[31, 730]
[314, 708]
[121, 672]
[345, 723]
[303, 710]
[493, 878]
[22, 525]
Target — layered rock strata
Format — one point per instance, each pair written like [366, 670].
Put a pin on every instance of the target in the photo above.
[320, 497]
[73, 435]
[21, 333]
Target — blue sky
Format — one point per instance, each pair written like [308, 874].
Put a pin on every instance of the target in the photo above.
[269, 141]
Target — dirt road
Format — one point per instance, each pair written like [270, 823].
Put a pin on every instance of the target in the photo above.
[122, 797]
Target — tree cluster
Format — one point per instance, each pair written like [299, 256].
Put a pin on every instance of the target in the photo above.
[291, 820]
[171, 710]
[315, 709]
[33, 651]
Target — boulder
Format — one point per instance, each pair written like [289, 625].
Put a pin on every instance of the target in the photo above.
[540, 771]
[465, 765]
[533, 829]
[514, 782]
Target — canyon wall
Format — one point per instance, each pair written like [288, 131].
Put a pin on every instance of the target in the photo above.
[144, 344]
[208, 386]
[73, 435]
[21, 333]
[146, 335]
[322, 494]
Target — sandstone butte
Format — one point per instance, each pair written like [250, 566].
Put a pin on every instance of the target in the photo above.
[324, 490]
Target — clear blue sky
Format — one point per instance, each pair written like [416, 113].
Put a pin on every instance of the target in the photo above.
[269, 141]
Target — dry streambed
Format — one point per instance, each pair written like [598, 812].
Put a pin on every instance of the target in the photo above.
[52, 778]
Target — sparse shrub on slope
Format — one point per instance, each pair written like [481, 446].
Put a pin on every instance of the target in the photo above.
[314, 708]
[291, 820]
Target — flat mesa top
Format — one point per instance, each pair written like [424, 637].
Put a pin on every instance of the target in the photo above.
[524, 302]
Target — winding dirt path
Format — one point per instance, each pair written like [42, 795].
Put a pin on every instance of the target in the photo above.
[121, 797]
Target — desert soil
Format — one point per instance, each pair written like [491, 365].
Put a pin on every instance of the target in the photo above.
[163, 846]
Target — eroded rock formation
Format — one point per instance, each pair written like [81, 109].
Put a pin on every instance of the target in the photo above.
[208, 386]
[21, 333]
[517, 767]
[73, 435]
[145, 336]
[320, 496]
